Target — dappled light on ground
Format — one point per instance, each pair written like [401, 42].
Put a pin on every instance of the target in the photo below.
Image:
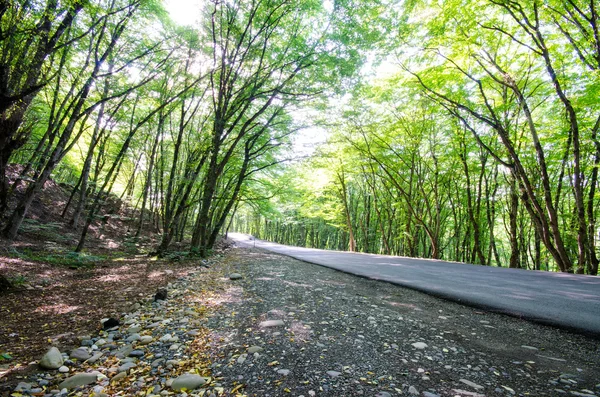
[60, 308]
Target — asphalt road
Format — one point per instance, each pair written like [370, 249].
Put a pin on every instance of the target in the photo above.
[563, 300]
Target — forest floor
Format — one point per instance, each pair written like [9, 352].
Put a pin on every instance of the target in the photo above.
[292, 328]
[57, 295]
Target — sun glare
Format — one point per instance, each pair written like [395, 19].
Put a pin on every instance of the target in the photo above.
[184, 12]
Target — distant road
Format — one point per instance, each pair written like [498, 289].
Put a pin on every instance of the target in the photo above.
[564, 300]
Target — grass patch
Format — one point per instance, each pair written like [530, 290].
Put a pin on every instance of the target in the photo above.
[48, 230]
[69, 259]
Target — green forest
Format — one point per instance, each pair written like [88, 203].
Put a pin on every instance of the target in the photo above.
[462, 130]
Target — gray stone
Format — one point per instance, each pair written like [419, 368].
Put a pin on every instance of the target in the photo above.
[94, 358]
[146, 339]
[235, 276]
[413, 390]
[64, 369]
[118, 376]
[52, 359]
[419, 345]
[136, 353]
[188, 382]
[87, 342]
[80, 354]
[383, 394]
[271, 323]
[23, 386]
[134, 329]
[124, 351]
[255, 349]
[334, 374]
[166, 338]
[284, 372]
[471, 384]
[428, 394]
[242, 358]
[126, 367]
[81, 379]
[133, 337]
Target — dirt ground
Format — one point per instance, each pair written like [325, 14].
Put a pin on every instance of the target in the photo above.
[57, 295]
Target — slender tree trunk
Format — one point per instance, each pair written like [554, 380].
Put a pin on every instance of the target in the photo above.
[159, 131]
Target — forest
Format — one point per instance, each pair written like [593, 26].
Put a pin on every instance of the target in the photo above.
[463, 130]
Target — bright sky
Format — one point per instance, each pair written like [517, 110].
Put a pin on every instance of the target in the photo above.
[184, 12]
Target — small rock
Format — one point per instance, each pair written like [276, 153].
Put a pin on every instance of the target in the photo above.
[118, 376]
[271, 323]
[419, 345]
[23, 386]
[334, 374]
[64, 369]
[80, 379]
[126, 367]
[133, 337]
[52, 359]
[124, 351]
[284, 372]
[187, 381]
[94, 358]
[471, 384]
[242, 358]
[413, 390]
[255, 349]
[428, 394]
[136, 353]
[235, 276]
[383, 394]
[80, 354]
[146, 339]
[165, 338]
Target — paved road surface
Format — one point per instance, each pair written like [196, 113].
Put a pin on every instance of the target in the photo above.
[564, 300]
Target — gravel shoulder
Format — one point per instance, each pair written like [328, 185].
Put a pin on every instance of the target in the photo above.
[282, 327]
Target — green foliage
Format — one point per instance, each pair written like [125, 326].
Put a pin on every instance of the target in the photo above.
[67, 259]
[480, 144]
[4, 356]
[18, 280]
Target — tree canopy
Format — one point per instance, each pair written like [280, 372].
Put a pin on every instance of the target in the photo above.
[463, 130]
